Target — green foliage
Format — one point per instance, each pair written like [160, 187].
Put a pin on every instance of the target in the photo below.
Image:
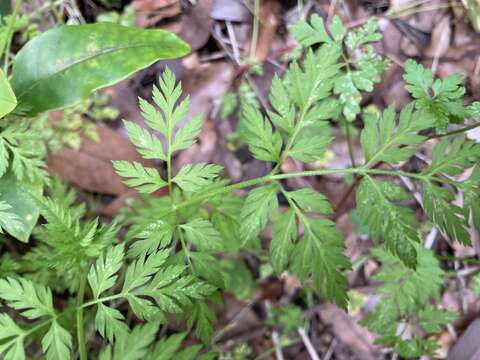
[376, 206]
[98, 50]
[359, 51]
[8, 101]
[383, 139]
[403, 308]
[440, 99]
[176, 254]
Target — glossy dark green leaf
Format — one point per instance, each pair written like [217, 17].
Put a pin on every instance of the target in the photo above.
[8, 102]
[16, 194]
[64, 65]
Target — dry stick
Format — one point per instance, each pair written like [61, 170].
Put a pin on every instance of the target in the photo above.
[275, 337]
[331, 349]
[308, 344]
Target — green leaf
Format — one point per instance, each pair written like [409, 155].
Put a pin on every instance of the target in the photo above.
[8, 101]
[22, 206]
[432, 320]
[405, 297]
[311, 143]
[194, 178]
[110, 323]
[450, 218]
[260, 203]
[102, 275]
[57, 342]
[310, 200]
[188, 134]
[284, 234]
[157, 235]
[471, 196]
[315, 82]
[384, 140]
[79, 59]
[441, 99]
[308, 34]
[284, 115]
[145, 179]
[263, 142]
[12, 337]
[320, 255]
[405, 287]
[147, 144]
[167, 347]
[203, 235]
[135, 345]
[7, 218]
[398, 225]
[453, 158]
[33, 300]
[202, 315]
[142, 269]
[337, 29]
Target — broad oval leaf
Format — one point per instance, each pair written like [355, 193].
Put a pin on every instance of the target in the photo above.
[8, 101]
[16, 194]
[64, 65]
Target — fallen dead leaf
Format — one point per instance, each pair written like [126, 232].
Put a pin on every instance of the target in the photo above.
[90, 168]
[358, 339]
[150, 12]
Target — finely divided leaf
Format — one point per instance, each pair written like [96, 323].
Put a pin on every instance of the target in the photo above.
[263, 142]
[203, 235]
[13, 348]
[157, 235]
[310, 200]
[311, 143]
[308, 34]
[260, 203]
[450, 218]
[57, 342]
[383, 139]
[194, 178]
[284, 234]
[320, 255]
[398, 225]
[34, 300]
[102, 275]
[148, 145]
[441, 99]
[188, 134]
[144, 179]
[453, 158]
[110, 323]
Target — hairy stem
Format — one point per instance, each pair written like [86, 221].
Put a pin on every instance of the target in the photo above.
[82, 343]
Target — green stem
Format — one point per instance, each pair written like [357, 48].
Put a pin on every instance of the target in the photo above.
[256, 11]
[269, 178]
[185, 249]
[455, 132]
[82, 343]
[349, 143]
[6, 48]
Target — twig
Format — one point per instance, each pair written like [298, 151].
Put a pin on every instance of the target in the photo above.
[276, 344]
[331, 349]
[308, 344]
